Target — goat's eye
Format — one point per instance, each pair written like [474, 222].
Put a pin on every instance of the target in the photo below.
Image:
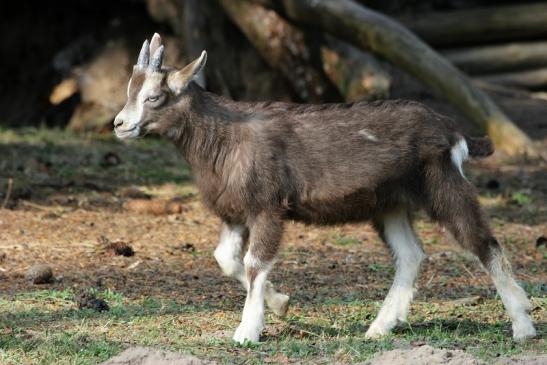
[153, 98]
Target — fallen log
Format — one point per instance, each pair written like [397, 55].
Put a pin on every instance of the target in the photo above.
[371, 30]
[356, 74]
[479, 25]
[282, 46]
[496, 58]
[529, 80]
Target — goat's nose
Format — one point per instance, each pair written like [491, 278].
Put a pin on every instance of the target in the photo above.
[118, 122]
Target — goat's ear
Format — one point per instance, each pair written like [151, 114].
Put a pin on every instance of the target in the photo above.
[179, 80]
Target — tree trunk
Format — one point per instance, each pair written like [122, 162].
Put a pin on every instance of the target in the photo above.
[480, 24]
[499, 58]
[369, 29]
[197, 32]
[529, 79]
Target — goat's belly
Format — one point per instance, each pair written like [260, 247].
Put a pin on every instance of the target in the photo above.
[356, 207]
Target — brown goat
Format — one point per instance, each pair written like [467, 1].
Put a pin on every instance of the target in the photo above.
[258, 164]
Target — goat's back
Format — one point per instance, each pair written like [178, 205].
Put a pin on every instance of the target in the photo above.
[331, 157]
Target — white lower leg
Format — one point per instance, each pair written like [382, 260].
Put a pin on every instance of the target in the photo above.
[228, 252]
[513, 297]
[252, 320]
[228, 256]
[277, 302]
[408, 255]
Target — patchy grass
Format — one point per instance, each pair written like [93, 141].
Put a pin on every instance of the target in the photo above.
[45, 327]
[521, 198]
[65, 199]
[43, 162]
[339, 240]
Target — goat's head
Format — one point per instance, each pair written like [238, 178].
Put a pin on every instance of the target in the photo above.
[152, 89]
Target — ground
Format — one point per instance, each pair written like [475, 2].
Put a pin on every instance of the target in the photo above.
[66, 203]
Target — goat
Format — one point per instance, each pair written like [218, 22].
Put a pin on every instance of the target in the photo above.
[257, 164]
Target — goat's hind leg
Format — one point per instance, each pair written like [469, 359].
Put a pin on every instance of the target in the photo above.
[396, 230]
[475, 236]
[454, 204]
[229, 257]
[512, 295]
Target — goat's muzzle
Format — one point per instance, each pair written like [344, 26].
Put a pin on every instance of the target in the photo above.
[125, 131]
[118, 122]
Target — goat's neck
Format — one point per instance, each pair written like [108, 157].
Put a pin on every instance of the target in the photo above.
[203, 130]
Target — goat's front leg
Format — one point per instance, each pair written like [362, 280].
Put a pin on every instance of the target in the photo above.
[229, 257]
[265, 235]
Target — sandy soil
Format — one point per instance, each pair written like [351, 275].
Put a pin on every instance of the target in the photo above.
[151, 356]
[423, 355]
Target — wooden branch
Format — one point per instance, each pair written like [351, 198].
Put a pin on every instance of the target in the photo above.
[480, 24]
[504, 57]
[8, 194]
[282, 46]
[356, 74]
[530, 79]
[371, 30]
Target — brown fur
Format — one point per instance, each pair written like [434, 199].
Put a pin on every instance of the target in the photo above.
[312, 163]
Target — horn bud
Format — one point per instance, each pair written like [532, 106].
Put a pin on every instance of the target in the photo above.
[144, 56]
[157, 60]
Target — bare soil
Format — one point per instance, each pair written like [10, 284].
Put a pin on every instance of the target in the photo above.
[151, 356]
[423, 355]
[427, 355]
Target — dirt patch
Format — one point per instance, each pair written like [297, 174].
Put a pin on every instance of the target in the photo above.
[427, 355]
[423, 355]
[523, 360]
[150, 356]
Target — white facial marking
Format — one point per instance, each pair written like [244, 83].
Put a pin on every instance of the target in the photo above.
[129, 86]
[368, 135]
[132, 114]
[513, 297]
[151, 82]
[408, 254]
[459, 153]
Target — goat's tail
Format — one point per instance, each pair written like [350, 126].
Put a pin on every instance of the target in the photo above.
[479, 147]
[467, 147]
